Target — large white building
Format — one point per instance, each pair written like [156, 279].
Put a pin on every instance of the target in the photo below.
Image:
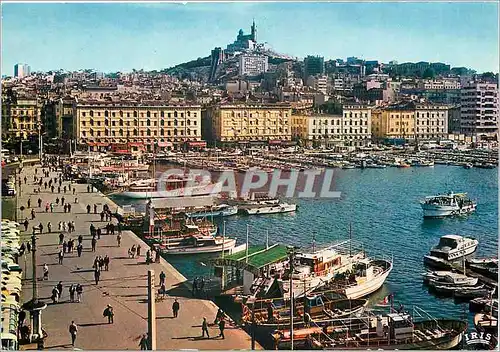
[21, 70]
[252, 65]
[479, 110]
[319, 83]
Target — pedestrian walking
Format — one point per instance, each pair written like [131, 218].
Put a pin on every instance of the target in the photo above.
[102, 216]
[69, 207]
[88, 188]
[204, 328]
[45, 271]
[94, 243]
[143, 344]
[72, 290]
[74, 190]
[157, 256]
[79, 292]
[175, 308]
[162, 277]
[65, 207]
[64, 189]
[108, 312]
[33, 214]
[98, 233]
[80, 239]
[106, 262]
[79, 249]
[26, 223]
[57, 201]
[61, 256]
[119, 239]
[97, 275]
[138, 250]
[51, 207]
[55, 295]
[95, 208]
[52, 188]
[222, 325]
[39, 202]
[73, 329]
[59, 189]
[132, 251]
[28, 247]
[29, 203]
[88, 209]
[64, 226]
[40, 227]
[62, 200]
[59, 289]
[49, 227]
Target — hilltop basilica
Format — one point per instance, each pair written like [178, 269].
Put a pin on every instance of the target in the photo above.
[244, 42]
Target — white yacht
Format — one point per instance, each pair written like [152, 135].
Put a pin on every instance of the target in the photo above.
[449, 204]
[270, 209]
[451, 248]
[216, 210]
[197, 244]
[172, 187]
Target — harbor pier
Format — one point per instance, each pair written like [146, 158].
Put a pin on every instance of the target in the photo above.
[124, 286]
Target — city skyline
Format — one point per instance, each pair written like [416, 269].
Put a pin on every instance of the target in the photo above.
[122, 37]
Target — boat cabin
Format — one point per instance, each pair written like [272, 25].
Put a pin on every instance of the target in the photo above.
[400, 326]
[316, 263]
[198, 241]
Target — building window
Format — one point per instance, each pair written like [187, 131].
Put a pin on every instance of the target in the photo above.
[135, 114]
[148, 114]
[106, 113]
[175, 113]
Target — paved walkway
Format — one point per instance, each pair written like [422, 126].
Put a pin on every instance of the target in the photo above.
[124, 286]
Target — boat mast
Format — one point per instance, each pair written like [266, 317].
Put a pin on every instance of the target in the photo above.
[292, 254]
[223, 242]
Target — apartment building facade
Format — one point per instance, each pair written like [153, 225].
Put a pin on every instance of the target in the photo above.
[140, 125]
[249, 122]
[21, 117]
[479, 112]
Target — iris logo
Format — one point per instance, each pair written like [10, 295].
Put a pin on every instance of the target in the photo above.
[479, 340]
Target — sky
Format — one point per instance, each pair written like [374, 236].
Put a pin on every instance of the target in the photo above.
[152, 36]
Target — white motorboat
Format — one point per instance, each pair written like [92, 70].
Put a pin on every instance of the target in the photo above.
[372, 276]
[449, 204]
[270, 209]
[454, 247]
[199, 244]
[448, 278]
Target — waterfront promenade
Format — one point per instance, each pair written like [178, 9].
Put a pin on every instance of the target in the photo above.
[124, 286]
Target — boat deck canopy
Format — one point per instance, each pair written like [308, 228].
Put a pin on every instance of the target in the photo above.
[258, 257]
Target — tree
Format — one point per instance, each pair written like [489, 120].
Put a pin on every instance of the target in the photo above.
[429, 73]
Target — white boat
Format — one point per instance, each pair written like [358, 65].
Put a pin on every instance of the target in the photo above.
[448, 278]
[454, 247]
[423, 163]
[375, 166]
[349, 166]
[374, 274]
[170, 188]
[199, 244]
[468, 166]
[449, 204]
[216, 210]
[270, 209]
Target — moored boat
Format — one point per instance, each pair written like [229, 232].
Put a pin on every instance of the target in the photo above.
[198, 244]
[214, 211]
[449, 204]
[395, 331]
[270, 209]
[451, 248]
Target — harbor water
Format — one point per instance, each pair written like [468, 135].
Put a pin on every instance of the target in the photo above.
[383, 207]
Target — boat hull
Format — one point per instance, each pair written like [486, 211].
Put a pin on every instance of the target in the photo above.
[278, 209]
[441, 211]
[371, 286]
[211, 189]
[228, 246]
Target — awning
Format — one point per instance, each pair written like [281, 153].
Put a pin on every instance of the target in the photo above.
[91, 144]
[258, 257]
[275, 141]
[135, 144]
[197, 144]
[165, 144]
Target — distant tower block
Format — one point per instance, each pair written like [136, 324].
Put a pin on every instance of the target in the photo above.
[254, 31]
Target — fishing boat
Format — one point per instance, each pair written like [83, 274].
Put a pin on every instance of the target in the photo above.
[397, 331]
[270, 209]
[468, 293]
[485, 303]
[449, 204]
[214, 211]
[450, 248]
[198, 244]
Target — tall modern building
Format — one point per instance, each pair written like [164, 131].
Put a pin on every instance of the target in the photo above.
[252, 65]
[479, 111]
[313, 65]
[217, 57]
[21, 70]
